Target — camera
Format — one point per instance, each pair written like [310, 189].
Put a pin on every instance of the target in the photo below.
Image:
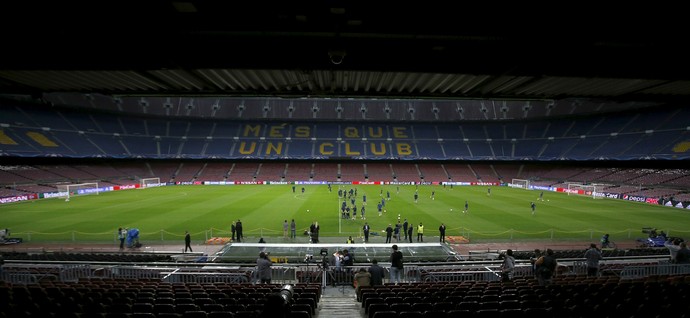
[308, 258]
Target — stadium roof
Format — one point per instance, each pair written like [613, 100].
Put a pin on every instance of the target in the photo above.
[380, 49]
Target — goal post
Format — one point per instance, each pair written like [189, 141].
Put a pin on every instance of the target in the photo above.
[149, 182]
[589, 190]
[69, 190]
[521, 183]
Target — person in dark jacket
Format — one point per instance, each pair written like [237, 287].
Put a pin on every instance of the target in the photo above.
[187, 242]
[396, 265]
[546, 267]
[263, 268]
[238, 228]
[376, 272]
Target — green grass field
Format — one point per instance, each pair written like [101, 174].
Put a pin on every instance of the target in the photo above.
[163, 214]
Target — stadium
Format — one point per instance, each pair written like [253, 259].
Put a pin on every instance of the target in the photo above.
[239, 120]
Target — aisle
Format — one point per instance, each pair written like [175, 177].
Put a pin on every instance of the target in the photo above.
[338, 302]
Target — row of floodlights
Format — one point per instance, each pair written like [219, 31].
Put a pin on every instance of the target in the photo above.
[339, 109]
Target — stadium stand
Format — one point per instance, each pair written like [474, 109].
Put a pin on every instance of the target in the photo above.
[351, 172]
[407, 173]
[344, 99]
[325, 171]
[272, 171]
[244, 171]
[485, 173]
[432, 172]
[460, 172]
[379, 171]
[299, 171]
[188, 171]
[214, 171]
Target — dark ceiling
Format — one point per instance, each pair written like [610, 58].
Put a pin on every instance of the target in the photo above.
[428, 49]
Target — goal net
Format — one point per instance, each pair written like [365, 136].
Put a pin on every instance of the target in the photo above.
[68, 190]
[589, 190]
[150, 182]
[520, 183]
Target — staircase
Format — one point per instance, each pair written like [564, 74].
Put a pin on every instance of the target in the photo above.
[339, 302]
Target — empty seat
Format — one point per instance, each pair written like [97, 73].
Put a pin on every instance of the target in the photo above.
[301, 307]
[300, 314]
[308, 301]
[376, 307]
[385, 314]
[220, 314]
[509, 304]
[410, 314]
[467, 305]
[183, 308]
[164, 300]
[194, 314]
[400, 307]
[443, 306]
[371, 300]
[142, 307]
[163, 308]
[512, 313]
[393, 300]
[487, 313]
[212, 307]
[245, 314]
[422, 307]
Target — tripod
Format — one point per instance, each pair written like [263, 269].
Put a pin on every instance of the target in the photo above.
[324, 271]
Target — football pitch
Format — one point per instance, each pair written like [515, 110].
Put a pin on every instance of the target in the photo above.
[163, 214]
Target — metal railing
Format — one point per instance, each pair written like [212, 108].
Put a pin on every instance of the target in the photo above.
[632, 272]
[31, 273]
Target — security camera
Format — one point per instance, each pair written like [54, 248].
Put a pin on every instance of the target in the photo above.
[336, 56]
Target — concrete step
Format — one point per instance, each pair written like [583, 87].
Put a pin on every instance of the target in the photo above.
[339, 302]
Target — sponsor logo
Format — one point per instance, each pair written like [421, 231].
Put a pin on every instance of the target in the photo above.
[14, 199]
[55, 194]
[612, 195]
[652, 200]
[635, 198]
[542, 188]
[94, 190]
